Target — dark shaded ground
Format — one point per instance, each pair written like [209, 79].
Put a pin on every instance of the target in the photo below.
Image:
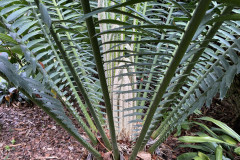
[37, 136]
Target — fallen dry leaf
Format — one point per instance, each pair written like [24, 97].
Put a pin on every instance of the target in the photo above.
[54, 157]
[20, 129]
[144, 155]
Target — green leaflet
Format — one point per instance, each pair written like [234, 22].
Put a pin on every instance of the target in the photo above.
[25, 27]
[6, 2]
[191, 139]
[201, 156]
[187, 156]
[10, 8]
[7, 38]
[45, 15]
[17, 13]
[234, 17]
[237, 150]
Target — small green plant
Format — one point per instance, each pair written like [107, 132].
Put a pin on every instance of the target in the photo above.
[215, 143]
[13, 141]
[7, 147]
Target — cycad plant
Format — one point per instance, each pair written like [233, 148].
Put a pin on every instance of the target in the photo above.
[132, 69]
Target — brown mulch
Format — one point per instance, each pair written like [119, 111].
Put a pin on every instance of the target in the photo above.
[36, 136]
[27, 133]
